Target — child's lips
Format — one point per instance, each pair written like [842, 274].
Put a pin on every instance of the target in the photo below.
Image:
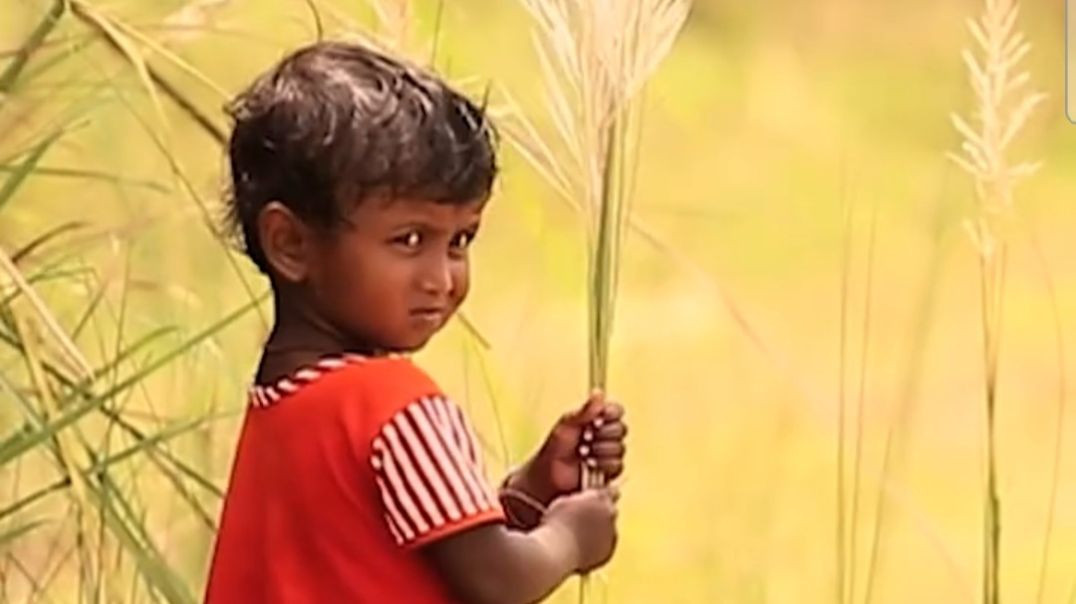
[429, 315]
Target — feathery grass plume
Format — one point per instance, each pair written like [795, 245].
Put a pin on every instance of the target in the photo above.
[1003, 104]
[596, 57]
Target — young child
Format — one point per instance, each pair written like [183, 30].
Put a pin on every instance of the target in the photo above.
[358, 185]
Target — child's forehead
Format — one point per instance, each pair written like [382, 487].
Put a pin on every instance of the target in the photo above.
[407, 209]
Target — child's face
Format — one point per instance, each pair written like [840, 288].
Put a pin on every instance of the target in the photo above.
[396, 272]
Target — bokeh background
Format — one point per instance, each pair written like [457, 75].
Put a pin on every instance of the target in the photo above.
[795, 194]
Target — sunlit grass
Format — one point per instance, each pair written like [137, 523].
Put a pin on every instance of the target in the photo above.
[596, 59]
[1003, 106]
[727, 313]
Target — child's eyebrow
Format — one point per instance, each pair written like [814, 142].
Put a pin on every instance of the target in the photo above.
[434, 226]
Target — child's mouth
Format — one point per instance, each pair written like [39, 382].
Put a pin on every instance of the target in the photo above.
[429, 315]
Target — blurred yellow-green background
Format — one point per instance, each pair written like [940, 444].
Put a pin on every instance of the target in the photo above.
[768, 125]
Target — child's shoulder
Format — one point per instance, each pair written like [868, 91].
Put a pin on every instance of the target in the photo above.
[383, 383]
[392, 378]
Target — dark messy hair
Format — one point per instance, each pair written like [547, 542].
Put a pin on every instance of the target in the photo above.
[335, 123]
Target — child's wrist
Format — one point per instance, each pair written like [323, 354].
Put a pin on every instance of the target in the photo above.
[522, 511]
[523, 500]
[527, 479]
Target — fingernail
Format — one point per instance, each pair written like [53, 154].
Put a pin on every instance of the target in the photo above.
[591, 462]
[599, 421]
[588, 435]
[584, 451]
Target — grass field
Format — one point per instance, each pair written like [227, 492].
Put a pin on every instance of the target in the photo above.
[793, 194]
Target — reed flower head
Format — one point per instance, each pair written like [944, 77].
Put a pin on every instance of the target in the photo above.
[596, 57]
[1003, 104]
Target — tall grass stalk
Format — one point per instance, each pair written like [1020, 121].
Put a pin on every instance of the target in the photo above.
[596, 57]
[1003, 105]
[847, 211]
[893, 449]
[87, 503]
[1059, 425]
[861, 395]
[129, 43]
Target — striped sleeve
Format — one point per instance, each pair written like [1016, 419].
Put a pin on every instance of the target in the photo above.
[429, 473]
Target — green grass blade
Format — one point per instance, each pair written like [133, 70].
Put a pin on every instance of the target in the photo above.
[82, 386]
[87, 313]
[44, 238]
[21, 443]
[45, 64]
[126, 42]
[149, 445]
[146, 444]
[106, 177]
[151, 565]
[10, 535]
[33, 42]
[164, 435]
[23, 170]
[45, 276]
[32, 498]
[188, 187]
[82, 389]
[131, 349]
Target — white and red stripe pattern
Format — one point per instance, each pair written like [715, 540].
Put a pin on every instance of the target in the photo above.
[429, 470]
[268, 395]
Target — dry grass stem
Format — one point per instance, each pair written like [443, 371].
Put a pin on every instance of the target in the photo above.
[596, 56]
[1003, 104]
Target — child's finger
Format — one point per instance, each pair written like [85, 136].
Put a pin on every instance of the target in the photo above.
[610, 468]
[592, 408]
[608, 449]
[614, 431]
[612, 411]
[589, 412]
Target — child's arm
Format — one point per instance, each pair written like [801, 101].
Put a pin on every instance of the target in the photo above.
[496, 565]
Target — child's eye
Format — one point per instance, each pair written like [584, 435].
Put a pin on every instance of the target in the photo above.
[463, 240]
[410, 239]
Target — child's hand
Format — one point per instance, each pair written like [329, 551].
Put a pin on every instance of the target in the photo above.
[593, 434]
[590, 518]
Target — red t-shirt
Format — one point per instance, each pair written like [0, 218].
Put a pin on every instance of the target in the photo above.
[342, 472]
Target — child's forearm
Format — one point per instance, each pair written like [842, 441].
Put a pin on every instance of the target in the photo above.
[495, 565]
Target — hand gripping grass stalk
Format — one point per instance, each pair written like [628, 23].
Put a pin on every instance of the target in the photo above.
[596, 56]
[1003, 105]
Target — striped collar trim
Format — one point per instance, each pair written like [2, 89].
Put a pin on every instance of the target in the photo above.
[270, 394]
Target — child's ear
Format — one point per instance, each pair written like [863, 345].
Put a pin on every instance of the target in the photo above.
[284, 239]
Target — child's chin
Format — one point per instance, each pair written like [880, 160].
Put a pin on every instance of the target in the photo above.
[413, 344]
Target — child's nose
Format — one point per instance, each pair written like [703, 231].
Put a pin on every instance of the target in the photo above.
[436, 276]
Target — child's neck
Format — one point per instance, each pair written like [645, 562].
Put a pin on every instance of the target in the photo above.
[301, 337]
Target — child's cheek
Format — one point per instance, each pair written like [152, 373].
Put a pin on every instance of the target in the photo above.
[461, 283]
